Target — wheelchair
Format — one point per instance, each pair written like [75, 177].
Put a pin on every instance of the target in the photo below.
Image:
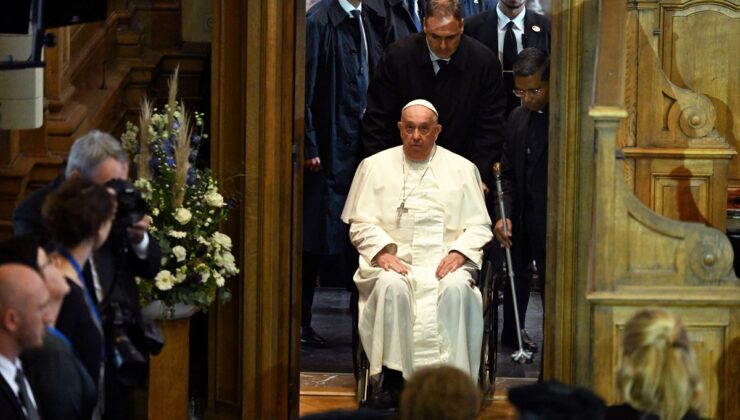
[489, 283]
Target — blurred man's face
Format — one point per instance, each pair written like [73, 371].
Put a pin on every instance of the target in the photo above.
[53, 277]
[109, 169]
[33, 314]
[512, 4]
[534, 92]
[443, 34]
[419, 131]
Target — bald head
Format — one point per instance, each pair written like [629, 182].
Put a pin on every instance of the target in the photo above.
[23, 314]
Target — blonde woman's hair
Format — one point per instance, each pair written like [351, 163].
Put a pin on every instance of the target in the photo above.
[657, 372]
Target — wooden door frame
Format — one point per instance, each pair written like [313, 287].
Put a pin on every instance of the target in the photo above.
[257, 132]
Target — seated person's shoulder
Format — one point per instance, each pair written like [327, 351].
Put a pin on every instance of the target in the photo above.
[455, 160]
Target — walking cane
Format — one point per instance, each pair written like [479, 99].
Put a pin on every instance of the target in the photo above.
[520, 356]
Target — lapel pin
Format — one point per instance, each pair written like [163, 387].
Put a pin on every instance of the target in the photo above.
[536, 28]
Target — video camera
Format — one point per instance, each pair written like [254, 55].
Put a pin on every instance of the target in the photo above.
[131, 205]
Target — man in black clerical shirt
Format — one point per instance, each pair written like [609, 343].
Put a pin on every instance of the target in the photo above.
[524, 181]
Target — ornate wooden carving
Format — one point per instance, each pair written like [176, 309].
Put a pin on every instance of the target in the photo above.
[674, 85]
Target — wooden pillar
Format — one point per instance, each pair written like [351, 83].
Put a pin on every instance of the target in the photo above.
[257, 132]
[168, 373]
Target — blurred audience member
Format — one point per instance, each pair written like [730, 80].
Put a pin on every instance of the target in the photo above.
[23, 314]
[80, 229]
[98, 157]
[62, 387]
[440, 392]
[553, 400]
[657, 375]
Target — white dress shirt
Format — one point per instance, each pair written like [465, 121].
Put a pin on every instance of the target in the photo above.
[518, 29]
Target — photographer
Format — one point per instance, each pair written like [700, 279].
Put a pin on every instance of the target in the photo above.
[110, 273]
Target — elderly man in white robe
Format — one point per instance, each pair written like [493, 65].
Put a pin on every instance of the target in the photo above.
[418, 218]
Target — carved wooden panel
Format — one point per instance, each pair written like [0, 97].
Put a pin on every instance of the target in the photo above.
[700, 52]
[680, 76]
[609, 254]
[680, 192]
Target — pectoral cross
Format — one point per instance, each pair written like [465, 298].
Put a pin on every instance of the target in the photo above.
[400, 210]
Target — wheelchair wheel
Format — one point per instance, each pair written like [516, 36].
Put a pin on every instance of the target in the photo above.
[487, 372]
[359, 360]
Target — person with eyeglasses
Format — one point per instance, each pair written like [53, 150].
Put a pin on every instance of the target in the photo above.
[507, 29]
[418, 219]
[524, 182]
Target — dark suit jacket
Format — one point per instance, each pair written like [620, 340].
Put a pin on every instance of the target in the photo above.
[517, 194]
[10, 407]
[515, 169]
[466, 93]
[335, 98]
[399, 23]
[62, 387]
[484, 28]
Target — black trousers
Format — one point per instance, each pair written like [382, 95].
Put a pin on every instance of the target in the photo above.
[528, 244]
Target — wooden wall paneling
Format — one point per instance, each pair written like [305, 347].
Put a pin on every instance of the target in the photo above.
[228, 138]
[571, 163]
[299, 101]
[669, 110]
[640, 259]
[256, 115]
[699, 43]
[162, 22]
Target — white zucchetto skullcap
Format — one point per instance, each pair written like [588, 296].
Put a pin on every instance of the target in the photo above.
[424, 103]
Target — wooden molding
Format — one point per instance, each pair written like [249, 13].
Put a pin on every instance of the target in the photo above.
[257, 112]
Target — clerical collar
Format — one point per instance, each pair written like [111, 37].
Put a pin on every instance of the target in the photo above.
[347, 7]
[503, 19]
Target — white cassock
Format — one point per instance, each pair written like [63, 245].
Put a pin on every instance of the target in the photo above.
[415, 320]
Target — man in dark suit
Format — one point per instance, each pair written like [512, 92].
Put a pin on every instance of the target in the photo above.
[404, 17]
[507, 30]
[342, 48]
[127, 253]
[23, 318]
[456, 73]
[524, 182]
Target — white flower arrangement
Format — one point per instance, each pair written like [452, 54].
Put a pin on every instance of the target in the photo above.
[186, 207]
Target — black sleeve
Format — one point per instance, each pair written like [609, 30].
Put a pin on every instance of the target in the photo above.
[76, 324]
[488, 137]
[383, 105]
[508, 170]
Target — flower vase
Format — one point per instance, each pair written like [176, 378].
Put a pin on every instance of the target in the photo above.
[169, 370]
[157, 311]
